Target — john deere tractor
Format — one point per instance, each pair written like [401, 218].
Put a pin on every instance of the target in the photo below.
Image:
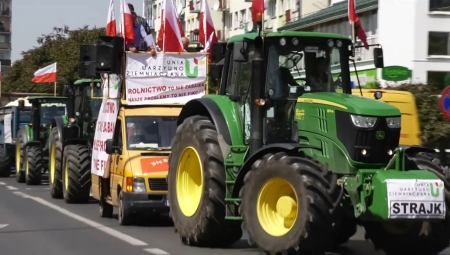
[73, 136]
[32, 143]
[298, 166]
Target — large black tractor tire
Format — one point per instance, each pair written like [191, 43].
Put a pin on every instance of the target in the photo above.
[55, 157]
[20, 155]
[304, 181]
[33, 165]
[207, 226]
[5, 164]
[76, 173]
[409, 240]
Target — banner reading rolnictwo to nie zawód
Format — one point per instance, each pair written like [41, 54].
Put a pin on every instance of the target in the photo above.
[164, 79]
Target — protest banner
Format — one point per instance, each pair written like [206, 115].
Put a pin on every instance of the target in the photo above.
[105, 123]
[168, 78]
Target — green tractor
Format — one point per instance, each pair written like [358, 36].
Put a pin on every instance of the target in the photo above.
[298, 167]
[73, 136]
[32, 143]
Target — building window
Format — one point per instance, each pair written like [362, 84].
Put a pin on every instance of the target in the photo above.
[272, 9]
[439, 5]
[236, 20]
[2, 39]
[438, 79]
[438, 43]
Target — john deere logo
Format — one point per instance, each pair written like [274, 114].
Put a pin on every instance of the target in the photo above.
[380, 135]
[194, 72]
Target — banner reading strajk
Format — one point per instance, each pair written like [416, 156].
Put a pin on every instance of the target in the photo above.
[165, 79]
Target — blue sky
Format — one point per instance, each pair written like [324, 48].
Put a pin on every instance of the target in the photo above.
[32, 18]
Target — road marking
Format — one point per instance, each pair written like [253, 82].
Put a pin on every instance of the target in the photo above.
[36, 188]
[11, 188]
[156, 251]
[3, 225]
[21, 194]
[2, 183]
[126, 238]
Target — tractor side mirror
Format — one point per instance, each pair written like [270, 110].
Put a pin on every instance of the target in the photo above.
[378, 60]
[21, 105]
[240, 52]
[109, 147]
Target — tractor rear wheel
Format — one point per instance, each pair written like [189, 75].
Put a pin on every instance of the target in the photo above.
[55, 180]
[76, 174]
[5, 164]
[33, 165]
[20, 142]
[196, 182]
[294, 198]
[423, 237]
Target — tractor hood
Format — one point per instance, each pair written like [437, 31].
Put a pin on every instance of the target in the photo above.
[142, 165]
[350, 103]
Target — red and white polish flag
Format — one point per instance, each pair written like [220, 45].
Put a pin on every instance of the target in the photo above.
[46, 74]
[160, 39]
[207, 34]
[172, 34]
[111, 29]
[127, 28]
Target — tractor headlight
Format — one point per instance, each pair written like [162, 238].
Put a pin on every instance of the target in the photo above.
[363, 121]
[394, 122]
[283, 41]
[138, 185]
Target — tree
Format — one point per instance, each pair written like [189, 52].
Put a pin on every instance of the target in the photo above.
[61, 46]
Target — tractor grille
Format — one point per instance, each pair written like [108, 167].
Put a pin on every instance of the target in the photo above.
[357, 139]
[157, 184]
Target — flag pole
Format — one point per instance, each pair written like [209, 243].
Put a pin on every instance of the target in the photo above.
[164, 32]
[54, 91]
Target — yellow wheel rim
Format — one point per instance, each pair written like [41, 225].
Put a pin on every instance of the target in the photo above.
[189, 181]
[52, 163]
[17, 157]
[277, 207]
[66, 175]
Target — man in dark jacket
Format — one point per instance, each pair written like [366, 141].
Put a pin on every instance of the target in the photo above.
[140, 20]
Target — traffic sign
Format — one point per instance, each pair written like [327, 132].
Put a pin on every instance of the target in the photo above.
[444, 102]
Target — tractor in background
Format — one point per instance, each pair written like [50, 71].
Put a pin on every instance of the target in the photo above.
[11, 118]
[74, 134]
[292, 164]
[32, 143]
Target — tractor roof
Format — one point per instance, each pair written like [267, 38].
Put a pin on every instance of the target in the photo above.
[82, 81]
[46, 99]
[252, 36]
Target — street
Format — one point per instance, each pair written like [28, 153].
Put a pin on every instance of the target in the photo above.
[33, 223]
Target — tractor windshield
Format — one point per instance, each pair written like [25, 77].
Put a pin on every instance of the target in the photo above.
[147, 132]
[94, 104]
[48, 112]
[304, 68]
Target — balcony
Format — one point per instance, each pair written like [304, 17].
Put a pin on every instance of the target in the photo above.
[5, 46]
[223, 5]
[5, 62]
[193, 36]
[5, 13]
[194, 6]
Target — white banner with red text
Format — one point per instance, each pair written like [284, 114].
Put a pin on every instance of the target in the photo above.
[105, 124]
[168, 78]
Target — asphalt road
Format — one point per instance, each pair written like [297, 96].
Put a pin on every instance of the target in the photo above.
[33, 223]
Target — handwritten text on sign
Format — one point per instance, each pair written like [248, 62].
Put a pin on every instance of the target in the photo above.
[167, 78]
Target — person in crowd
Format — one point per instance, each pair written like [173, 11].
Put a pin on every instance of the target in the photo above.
[185, 41]
[140, 34]
[140, 20]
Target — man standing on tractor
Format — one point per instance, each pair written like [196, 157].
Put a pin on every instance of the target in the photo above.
[142, 21]
[140, 34]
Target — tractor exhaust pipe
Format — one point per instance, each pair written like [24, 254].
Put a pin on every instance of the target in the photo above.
[257, 92]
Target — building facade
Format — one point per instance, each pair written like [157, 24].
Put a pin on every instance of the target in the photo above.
[414, 35]
[5, 34]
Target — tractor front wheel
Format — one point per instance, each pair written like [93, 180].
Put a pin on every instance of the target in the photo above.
[5, 164]
[55, 180]
[33, 165]
[419, 237]
[197, 186]
[76, 174]
[294, 198]
[21, 138]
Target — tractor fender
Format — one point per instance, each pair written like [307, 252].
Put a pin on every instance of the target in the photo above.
[58, 123]
[33, 143]
[272, 148]
[206, 107]
[413, 150]
[70, 131]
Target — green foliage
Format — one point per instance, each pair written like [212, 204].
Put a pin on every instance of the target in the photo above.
[61, 46]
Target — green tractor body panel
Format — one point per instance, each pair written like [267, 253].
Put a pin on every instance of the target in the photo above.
[87, 81]
[29, 132]
[230, 112]
[252, 36]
